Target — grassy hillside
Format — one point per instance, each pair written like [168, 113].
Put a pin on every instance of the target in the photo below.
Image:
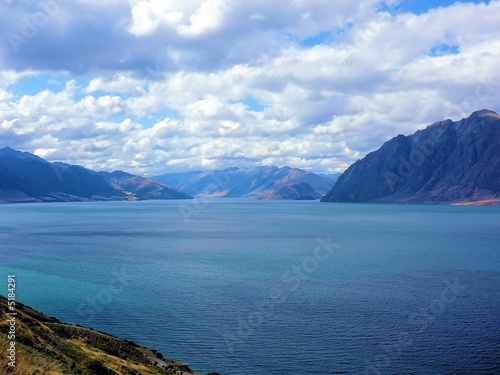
[45, 346]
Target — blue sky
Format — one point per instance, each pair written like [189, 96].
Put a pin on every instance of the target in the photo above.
[153, 87]
[422, 6]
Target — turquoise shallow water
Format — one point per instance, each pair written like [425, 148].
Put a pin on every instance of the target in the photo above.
[270, 287]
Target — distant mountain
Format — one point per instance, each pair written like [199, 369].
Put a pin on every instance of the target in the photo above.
[448, 162]
[257, 182]
[302, 191]
[28, 178]
[142, 188]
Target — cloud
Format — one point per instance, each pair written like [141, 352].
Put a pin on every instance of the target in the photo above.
[157, 86]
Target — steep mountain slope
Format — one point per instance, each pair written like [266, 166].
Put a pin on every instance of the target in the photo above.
[302, 191]
[264, 182]
[28, 178]
[448, 162]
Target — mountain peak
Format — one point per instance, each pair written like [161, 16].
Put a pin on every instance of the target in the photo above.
[439, 164]
[11, 152]
[485, 113]
[7, 150]
[257, 181]
[117, 173]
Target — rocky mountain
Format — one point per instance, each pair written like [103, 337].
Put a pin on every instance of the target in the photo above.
[28, 178]
[142, 188]
[44, 345]
[257, 182]
[302, 191]
[448, 162]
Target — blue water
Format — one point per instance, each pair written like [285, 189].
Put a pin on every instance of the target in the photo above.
[249, 287]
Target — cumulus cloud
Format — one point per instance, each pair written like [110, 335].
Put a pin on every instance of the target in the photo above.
[157, 86]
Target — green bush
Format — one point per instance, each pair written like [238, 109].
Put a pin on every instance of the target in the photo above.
[95, 367]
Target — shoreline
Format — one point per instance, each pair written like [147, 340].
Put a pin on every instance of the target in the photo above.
[42, 343]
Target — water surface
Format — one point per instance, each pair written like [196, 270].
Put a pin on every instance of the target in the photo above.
[249, 287]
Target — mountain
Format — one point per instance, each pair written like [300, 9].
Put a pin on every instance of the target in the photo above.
[448, 162]
[257, 182]
[44, 345]
[302, 191]
[142, 188]
[28, 178]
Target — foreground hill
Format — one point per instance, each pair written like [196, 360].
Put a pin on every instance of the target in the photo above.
[257, 182]
[28, 178]
[46, 346]
[448, 162]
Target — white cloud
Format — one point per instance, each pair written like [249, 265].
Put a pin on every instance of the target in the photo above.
[118, 84]
[324, 106]
[208, 17]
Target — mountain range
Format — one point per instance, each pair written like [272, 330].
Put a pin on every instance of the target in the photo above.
[257, 182]
[28, 178]
[448, 162]
[25, 177]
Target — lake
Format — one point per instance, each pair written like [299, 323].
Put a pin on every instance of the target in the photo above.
[247, 287]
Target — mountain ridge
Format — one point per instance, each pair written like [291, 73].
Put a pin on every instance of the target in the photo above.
[264, 182]
[447, 162]
[28, 178]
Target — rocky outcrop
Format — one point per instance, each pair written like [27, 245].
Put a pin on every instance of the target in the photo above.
[448, 162]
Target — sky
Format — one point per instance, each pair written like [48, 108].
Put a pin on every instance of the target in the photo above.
[151, 86]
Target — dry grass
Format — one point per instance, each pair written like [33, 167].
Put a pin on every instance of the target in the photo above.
[28, 362]
[485, 202]
[45, 346]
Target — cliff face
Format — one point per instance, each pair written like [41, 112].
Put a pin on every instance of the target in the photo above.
[448, 162]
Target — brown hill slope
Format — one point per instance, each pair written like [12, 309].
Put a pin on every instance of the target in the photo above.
[45, 346]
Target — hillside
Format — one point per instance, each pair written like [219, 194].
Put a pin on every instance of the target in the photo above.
[28, 178]
[302, 191]
[46, 346]
[142, 188]
[257, 182]
[448, 162]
